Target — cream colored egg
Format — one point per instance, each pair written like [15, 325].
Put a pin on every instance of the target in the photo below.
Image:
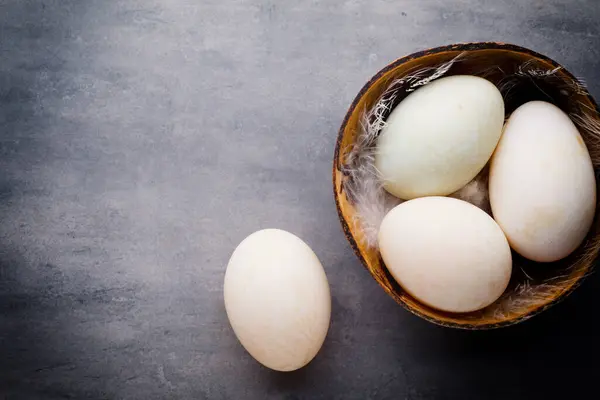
[445, 252]
[277, 299]
[440, 137]
[542, 184]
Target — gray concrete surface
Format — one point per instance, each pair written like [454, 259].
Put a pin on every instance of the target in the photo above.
[141, 140]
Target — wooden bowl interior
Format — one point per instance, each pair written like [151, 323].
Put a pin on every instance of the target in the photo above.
[493, 61]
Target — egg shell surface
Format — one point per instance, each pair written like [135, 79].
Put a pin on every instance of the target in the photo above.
[440, 137]
[542, 184]
[445, 252]
[277, 299]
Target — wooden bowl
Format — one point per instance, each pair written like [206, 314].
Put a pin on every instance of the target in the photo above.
[565, 275]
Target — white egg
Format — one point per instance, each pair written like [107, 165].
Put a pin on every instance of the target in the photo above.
[440, 137]
[542, 184]
[445, 252]
[277, 299]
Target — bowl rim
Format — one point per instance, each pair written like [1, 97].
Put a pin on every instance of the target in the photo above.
[465, 46]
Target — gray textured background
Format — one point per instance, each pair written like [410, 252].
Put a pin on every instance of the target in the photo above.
[140, 141]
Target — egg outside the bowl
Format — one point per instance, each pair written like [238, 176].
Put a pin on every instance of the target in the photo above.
[277, 299]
